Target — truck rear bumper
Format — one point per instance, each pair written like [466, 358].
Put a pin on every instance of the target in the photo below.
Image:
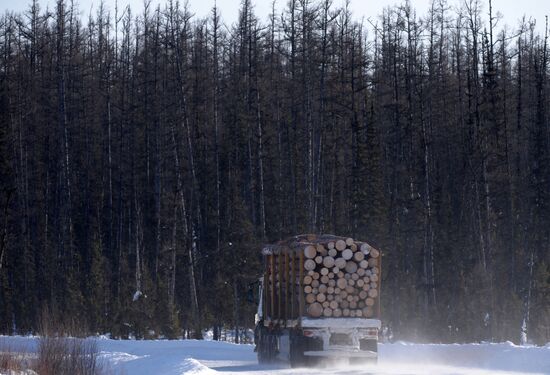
[340, 323]
[342, 354]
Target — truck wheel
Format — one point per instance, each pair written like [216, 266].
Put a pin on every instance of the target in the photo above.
[296, 352]
[263, 357]
[266, 347]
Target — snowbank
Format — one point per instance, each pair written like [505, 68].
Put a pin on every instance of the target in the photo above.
[179, 357]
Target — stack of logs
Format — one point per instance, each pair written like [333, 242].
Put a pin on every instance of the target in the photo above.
[341, 279]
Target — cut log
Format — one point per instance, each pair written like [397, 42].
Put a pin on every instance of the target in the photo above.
[360, 283]
[323, 288]
[355, 276]
[361, 272]
[353, 247]
[345, 312]
[310, 252]
[324, 271]
[330, 275]
[330, 245]
[316, 276]
[321, 249]
[340, 263]
[337, 313]
[332, 283]
[325, 304]
[374, 278]
[365, 249]
[310, 298]
[349, 241]
[341, 283]
[340, 245]
[318, 259]
[347, 254]
[330, 290]
[309, 264]
[308, 279]
[352, 313]
[324, 279]
[334, 305]
[315, 310]
[350, 289]
[374, 253]
[308, 289]
[373, 262]
[321, 297]
[328, 261]
[359, 313]
[358, 256]
[373, 293]
[363, 294]
[332, 252]
[315, 283]
[351, 267]
[368, 312]
[327, 312]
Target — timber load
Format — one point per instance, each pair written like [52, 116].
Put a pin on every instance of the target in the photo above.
[320, 276]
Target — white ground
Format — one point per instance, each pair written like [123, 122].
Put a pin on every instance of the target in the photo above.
[209, 357]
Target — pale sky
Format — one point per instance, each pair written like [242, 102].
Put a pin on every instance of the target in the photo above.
[513, 10]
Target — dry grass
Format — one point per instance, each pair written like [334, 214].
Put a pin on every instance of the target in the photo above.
[59, 351]
[55, 356]
[13, 360]
[60, 356]
[9, 362]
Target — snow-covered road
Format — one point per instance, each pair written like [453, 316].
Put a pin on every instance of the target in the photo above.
[207, 357]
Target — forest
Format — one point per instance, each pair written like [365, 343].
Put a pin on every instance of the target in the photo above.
[147, 155]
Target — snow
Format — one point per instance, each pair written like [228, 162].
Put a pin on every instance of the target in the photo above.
[136, 296]
[205, 357]
[523, 339]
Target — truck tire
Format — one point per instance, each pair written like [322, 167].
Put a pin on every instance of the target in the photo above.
[300, 344]
[296, 352]
[266, 347]
[368, 345]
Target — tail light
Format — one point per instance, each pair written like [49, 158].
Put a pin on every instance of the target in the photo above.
[372, 332]
[308, 333]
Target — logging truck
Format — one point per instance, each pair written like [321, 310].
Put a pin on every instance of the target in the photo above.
[319, 298]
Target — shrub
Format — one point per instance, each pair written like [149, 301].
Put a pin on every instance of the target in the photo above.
[68, 356]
